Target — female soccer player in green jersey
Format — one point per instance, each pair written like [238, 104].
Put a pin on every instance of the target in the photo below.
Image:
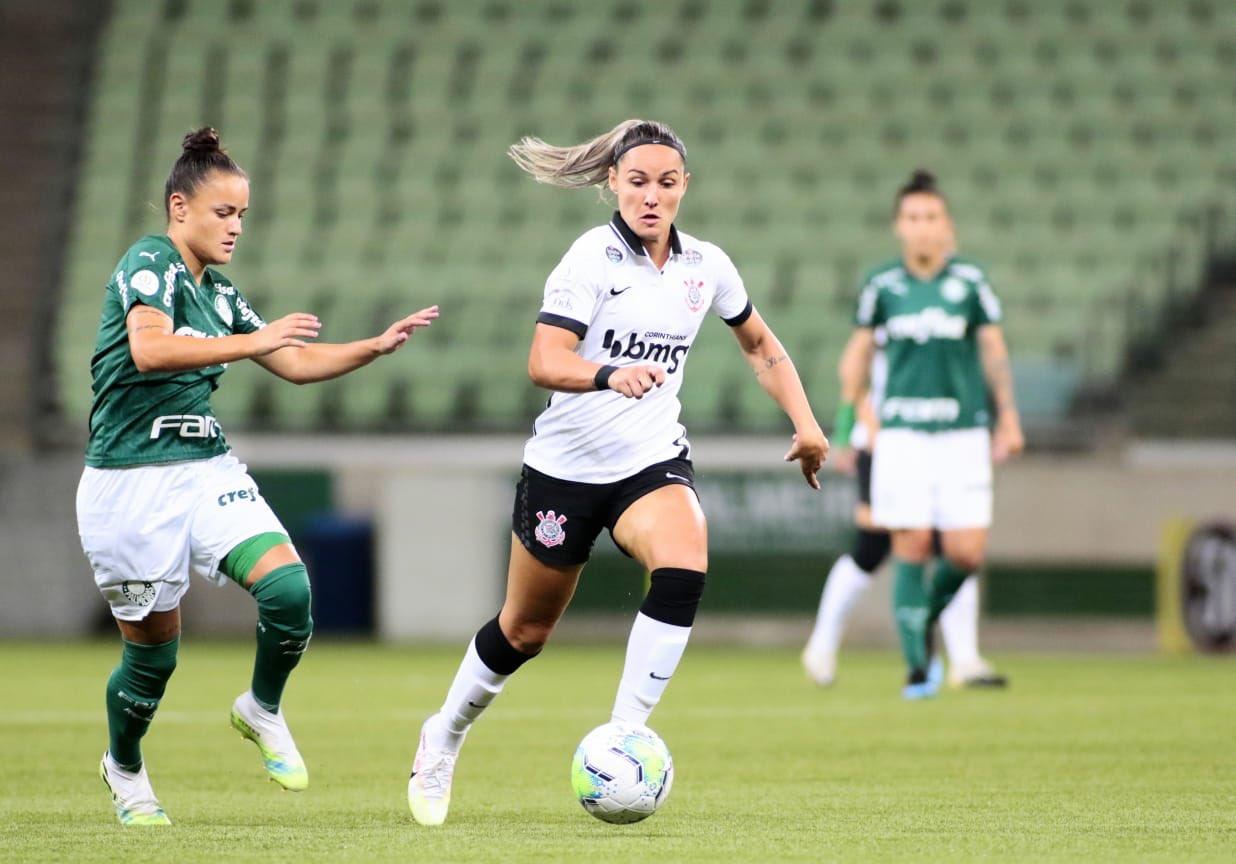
[162, 496]
[948, 367]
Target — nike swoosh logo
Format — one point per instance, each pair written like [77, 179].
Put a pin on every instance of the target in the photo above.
[658, 677]
[474, 705]
[614, 293]
[677, 477]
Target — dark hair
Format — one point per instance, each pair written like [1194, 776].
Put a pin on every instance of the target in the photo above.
[588, 164]
[202, 155]
[921, 181]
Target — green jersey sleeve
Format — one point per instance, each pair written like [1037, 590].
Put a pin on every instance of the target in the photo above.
[148, 275]
[984, 304]
[870, 311]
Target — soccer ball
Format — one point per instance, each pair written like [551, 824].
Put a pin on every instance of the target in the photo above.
[622, 772]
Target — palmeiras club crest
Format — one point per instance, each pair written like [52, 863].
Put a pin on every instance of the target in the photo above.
[695, 293]
[549, 531]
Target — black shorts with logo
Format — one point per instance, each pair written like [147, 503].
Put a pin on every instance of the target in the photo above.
[559, 520]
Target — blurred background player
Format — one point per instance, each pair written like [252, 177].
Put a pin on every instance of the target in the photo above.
[948, 366]
[851, 574]
[621, 312]
[162, 496]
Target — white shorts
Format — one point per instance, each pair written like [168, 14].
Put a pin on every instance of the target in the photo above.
[931, 479]
[146, 528]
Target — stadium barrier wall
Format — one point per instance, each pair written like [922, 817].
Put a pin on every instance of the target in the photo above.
[441, 507]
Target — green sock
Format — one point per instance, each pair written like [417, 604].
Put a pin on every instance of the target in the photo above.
[910, 612]
[133, 693]
[946, 581]
[283, 630]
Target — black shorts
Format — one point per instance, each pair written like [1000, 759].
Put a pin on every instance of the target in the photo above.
[862, 473]
[559, 520]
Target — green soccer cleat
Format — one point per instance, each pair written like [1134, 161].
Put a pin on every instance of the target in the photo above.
[270, 733]
[132, 796]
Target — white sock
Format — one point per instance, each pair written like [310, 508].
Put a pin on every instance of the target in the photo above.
[845, 584]
[959, 625]
[653, 652]
[474, 687]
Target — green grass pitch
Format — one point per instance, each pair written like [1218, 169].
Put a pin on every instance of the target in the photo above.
[1084, 759]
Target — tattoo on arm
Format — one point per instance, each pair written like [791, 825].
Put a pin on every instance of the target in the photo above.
[771, 362]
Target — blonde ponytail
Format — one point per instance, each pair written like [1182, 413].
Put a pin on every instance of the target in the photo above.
[588, 164]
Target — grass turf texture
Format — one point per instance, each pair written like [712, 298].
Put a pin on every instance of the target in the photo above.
[1085, 759]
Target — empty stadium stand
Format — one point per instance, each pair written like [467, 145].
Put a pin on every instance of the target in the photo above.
[1079, 163]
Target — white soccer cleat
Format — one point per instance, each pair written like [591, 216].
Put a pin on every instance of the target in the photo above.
[429, 786]
[270, 733]
[132, 796]
[820, 666]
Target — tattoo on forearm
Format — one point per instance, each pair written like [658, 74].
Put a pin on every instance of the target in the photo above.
[771, 362]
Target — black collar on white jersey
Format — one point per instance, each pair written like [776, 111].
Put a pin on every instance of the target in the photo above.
[631, 239]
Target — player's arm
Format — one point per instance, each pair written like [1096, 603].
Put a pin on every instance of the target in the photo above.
[1007, 440]
[776, 373]
[322, 361]
[854, 372]
[554, 365]
[156, 348]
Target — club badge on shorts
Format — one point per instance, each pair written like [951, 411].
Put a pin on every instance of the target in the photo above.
[138, 593]
[549, 531]
[695, 294]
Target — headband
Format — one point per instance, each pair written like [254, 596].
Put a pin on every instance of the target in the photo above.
[620, 151]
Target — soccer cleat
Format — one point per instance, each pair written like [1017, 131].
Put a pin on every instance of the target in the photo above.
[132, 796]
[820, 666]
[977, 676]
[919, 686]
[270, 733]
[429, 786]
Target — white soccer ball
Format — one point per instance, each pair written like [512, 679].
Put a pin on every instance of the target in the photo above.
[622, 772]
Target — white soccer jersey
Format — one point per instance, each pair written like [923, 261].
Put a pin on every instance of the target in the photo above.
[607, 291]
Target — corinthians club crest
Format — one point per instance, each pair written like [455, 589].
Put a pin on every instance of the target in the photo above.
[695, 293]
[549, 531]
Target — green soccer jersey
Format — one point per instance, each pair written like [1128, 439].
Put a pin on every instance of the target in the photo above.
[935, 375]
[148, 418]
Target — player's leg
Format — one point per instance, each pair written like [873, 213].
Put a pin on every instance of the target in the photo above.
[959, 625]
[134, 527]
[134, 690]
[268, 567]
[901, 498]
[911, 553]
[850, 576]
[553, 529]
[536, 596]
[965, 505]
[666, 532]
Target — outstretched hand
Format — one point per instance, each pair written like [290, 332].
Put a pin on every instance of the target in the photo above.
[401, 331]
[809, 449]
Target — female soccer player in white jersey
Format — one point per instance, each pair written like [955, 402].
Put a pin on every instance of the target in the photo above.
[620, 314]
[947, 367]
[162, 496]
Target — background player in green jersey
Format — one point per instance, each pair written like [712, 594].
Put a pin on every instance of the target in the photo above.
[948, 367]
[161, 495]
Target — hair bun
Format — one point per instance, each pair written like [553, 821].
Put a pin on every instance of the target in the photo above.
[204, 140]
[921, 180]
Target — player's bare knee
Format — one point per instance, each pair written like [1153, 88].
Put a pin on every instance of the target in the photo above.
[912, 546]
